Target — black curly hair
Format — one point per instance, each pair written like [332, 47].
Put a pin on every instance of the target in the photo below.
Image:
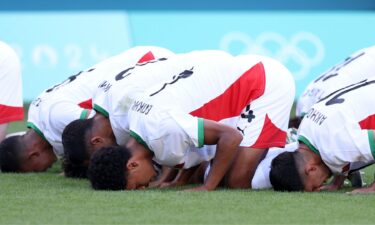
[11, 150]
[284, 175]
[76, 152]
[107, 168]
[74, 170]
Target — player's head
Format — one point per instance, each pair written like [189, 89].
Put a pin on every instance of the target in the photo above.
[26, 153]
[117, 168]
[76, 156]
[293, 171]
[74, 170]
[80, 139]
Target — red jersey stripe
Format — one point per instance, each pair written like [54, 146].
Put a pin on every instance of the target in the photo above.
[86, 104]
[10, 113]
[368, 123]
[270, 136]
[147, 57]
[248, 87]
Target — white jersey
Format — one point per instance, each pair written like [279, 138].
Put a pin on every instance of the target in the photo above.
[358, 66]
[115, 94]
[11, 102]
[340, 128]
[252, 93]
[195, 156]
[59, 105]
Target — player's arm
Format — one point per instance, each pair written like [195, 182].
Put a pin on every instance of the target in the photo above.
[168, 174]
[336, 183]
[244, 166]
[193, 175]
[366, 190]
[227, 140]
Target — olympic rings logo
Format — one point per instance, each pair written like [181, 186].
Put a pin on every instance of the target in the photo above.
[73, 56]
[295, 53]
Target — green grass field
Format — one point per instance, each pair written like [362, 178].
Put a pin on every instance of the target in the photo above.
[48, 198]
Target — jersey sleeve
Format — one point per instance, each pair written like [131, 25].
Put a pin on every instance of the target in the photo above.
[60, 115]
[191, 125]
[168, 135]
[101, 103]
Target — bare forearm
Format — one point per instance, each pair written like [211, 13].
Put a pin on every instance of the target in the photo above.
[336, 183]
[226, 149]
[183, 176]
[227, 140]
[167, 175]
[244, 166]
[366, 190]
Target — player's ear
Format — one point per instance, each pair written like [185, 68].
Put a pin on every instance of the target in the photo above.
[96, 140]
[33, 155]
[310, 168]
[132, 164]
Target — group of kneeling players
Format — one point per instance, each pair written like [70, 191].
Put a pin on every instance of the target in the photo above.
[151, 118]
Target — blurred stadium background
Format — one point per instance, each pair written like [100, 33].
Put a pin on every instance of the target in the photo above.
[56, 39]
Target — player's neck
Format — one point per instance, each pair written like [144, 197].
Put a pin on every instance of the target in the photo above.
[31, 136]
[308, 154]
[137, 148]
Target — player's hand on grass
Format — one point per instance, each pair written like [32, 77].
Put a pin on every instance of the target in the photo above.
[335, 184]
[366, 190]
[329, 187]
[170, 184]
[155, 184]
[199, 188]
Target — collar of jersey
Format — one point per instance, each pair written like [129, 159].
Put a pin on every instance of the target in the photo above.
[36, 129]
[139, 139]
[307, 142]
[84, 114]
[101, 110]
